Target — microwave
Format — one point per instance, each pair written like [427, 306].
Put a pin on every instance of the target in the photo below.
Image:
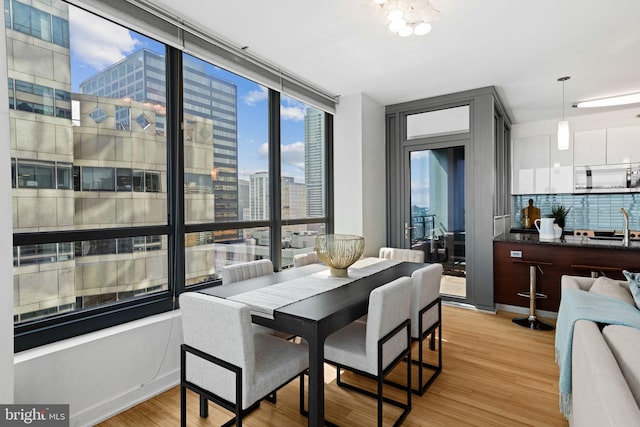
[622, 178]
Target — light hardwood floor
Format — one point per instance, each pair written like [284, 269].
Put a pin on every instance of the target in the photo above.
[495, 373]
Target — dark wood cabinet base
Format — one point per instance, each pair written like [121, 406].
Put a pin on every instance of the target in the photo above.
[511, 275]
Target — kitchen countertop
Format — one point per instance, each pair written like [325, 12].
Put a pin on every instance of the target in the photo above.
[567, 240]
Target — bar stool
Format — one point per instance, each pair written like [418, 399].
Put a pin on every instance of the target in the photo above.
[532, 322]
[597, 270]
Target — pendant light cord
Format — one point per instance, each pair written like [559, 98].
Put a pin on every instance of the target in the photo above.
[563, 79]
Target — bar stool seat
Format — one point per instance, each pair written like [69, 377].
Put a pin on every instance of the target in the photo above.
[531, 321]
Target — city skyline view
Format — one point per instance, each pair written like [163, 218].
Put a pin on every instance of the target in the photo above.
[97, 44]
[91, 154]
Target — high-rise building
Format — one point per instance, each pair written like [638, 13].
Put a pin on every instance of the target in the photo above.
[140, 76]
[314, 161]
[98, 162]
[293, 197]
[243, 199]
[259, 196]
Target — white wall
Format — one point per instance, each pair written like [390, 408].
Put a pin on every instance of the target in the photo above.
[374, 174]
[6, 249]
[103, 373]
[359, 170]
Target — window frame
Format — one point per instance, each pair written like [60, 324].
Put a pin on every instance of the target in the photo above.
[38, 332]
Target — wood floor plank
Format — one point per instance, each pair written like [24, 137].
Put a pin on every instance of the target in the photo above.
[495, 373]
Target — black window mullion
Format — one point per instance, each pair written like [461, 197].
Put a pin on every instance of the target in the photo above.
[43, 237]
[328, 171]
[274, 179]
[175, 170]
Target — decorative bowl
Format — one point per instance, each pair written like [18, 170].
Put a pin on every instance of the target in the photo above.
[339, 251]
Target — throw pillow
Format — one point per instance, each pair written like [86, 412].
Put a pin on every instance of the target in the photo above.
[634, 285]
[611, 288]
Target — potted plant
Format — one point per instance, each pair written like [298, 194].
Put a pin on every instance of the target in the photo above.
[559, 213]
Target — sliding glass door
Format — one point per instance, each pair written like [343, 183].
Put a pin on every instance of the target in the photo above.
[437, 212]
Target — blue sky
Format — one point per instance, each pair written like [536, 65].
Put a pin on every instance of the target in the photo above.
[420, 178]
[97, 44]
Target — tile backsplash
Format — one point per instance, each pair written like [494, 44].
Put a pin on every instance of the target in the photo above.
[588, 211]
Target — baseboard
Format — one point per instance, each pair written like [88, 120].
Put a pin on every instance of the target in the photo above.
[525, 310]
[466, 306]
[105, 410]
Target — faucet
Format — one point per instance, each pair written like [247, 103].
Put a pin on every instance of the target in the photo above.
[625, 231]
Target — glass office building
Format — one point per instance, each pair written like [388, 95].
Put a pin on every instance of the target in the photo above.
[141, 77]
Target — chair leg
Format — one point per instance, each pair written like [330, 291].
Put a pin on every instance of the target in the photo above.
[422, 387]
[204, 407]
[379, 396]
[183, 406]
[302, 410]
[432, 343]
[273, 397]
[380, 399]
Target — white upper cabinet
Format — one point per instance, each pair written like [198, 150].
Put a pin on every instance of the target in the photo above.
[623, 145]
[540, 168]
[560, 167]
[590, 147]
[530, 165]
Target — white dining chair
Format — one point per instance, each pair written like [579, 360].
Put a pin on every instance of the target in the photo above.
[223, 361]
[411, 255]
[305, 259]
[246, 270]
[374, 348]
[426, 318]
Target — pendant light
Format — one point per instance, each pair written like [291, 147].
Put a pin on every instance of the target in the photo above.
[563, 126]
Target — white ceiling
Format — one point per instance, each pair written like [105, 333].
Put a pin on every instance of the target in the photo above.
[520, 47]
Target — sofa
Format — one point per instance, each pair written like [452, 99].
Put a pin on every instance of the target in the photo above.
[605, 362]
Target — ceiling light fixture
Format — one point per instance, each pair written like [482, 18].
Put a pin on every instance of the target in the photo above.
[407, 17]
[611, 101]
[563, 126]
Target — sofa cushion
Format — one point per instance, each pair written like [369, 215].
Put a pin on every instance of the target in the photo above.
[600, 395]
[612, 288]
[624, 343]
[634, 285]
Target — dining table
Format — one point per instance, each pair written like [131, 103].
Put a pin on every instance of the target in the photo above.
[315, 305]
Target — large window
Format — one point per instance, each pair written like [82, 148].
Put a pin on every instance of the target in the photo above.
[115, 213]
[84, 235]
[303, 186]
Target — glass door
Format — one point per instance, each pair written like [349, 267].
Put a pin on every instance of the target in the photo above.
[437, 209]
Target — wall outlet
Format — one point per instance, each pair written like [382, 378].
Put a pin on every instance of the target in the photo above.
[516, 254]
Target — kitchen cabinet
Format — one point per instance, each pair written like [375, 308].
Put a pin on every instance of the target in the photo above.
[511, 275]
[623, 145]
[590, 147]
[560, 167]
[531, 165]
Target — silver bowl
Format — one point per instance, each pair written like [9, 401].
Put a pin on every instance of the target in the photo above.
[339, 251]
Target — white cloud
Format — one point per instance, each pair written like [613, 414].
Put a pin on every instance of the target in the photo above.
[98, 42]
[291, 154]
[292, 113]
[256, 96]
[263, 151]
[292, 109]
